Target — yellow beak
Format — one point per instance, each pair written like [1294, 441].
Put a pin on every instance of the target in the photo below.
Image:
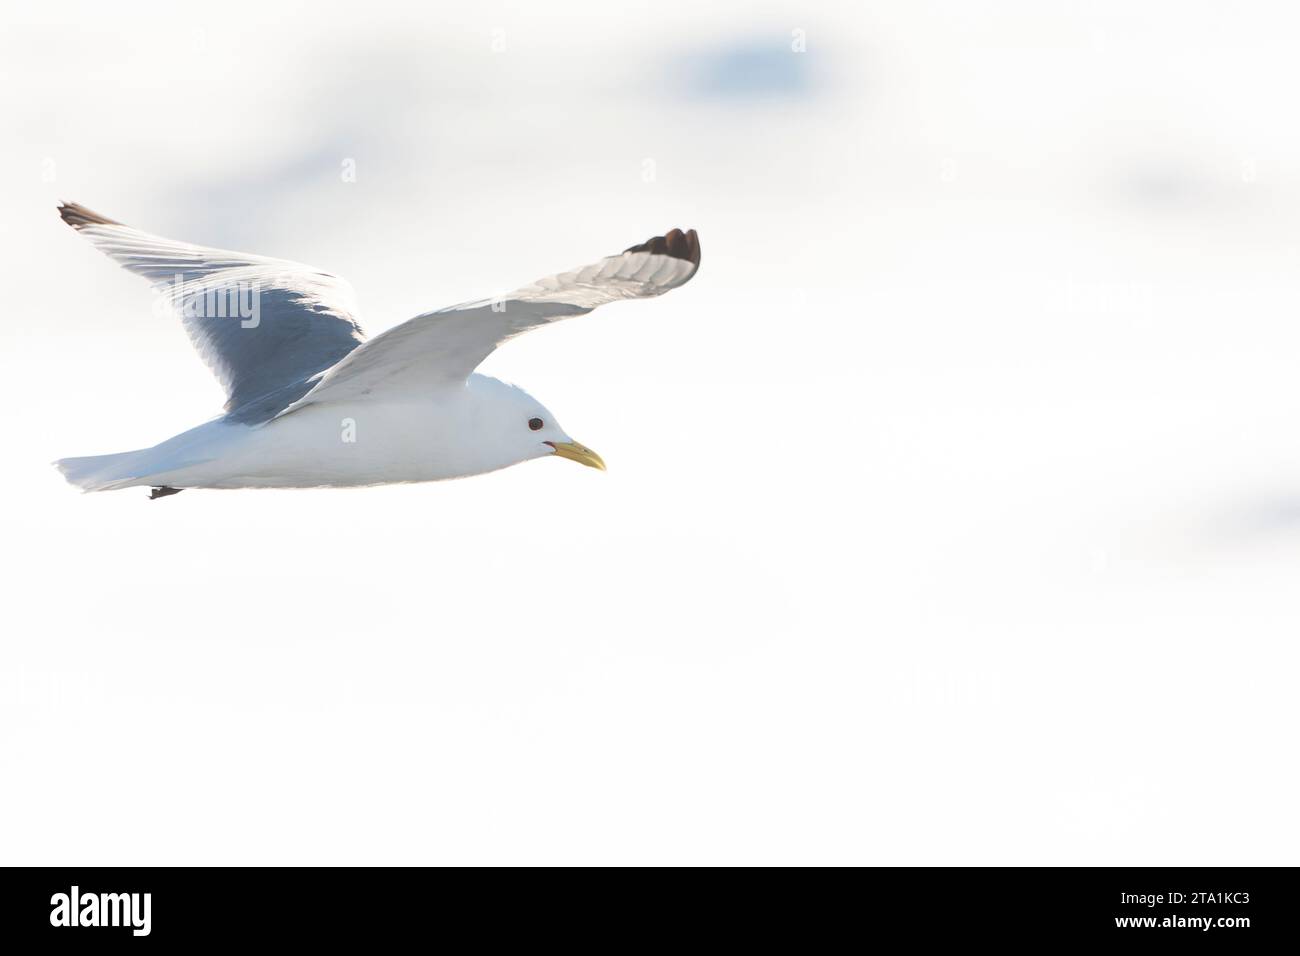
[579, 453]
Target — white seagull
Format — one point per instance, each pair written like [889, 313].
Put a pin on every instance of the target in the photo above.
[312, 403]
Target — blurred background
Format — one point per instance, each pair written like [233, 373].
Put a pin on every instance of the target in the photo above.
[953, 511]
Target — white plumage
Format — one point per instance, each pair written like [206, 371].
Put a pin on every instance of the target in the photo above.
[311, 402]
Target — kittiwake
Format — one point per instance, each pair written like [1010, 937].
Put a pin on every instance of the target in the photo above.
[311, 402]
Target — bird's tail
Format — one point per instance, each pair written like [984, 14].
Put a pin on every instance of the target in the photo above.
[101, 472]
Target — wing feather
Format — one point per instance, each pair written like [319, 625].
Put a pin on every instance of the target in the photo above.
[266, 327]
[444, 347]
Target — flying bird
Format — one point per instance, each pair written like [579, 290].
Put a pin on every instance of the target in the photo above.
[311, 402]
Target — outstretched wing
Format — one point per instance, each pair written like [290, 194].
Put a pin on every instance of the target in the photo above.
[447, 345]
[264, 326]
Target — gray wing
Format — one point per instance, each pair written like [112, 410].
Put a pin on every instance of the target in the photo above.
[446, 346]
[266, 327]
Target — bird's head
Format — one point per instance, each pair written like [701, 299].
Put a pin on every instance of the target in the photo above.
[511, 426]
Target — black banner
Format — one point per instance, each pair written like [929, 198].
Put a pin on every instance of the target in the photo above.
[145, 907]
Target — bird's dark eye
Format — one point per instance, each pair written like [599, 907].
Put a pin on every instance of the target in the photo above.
[534, 423]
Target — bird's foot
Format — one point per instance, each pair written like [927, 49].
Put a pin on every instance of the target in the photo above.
[163, 492]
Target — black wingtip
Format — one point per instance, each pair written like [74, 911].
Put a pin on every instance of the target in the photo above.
[78, 216]
[678, 244]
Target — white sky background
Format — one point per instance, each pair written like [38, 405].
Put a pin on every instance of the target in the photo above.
[953, 511]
